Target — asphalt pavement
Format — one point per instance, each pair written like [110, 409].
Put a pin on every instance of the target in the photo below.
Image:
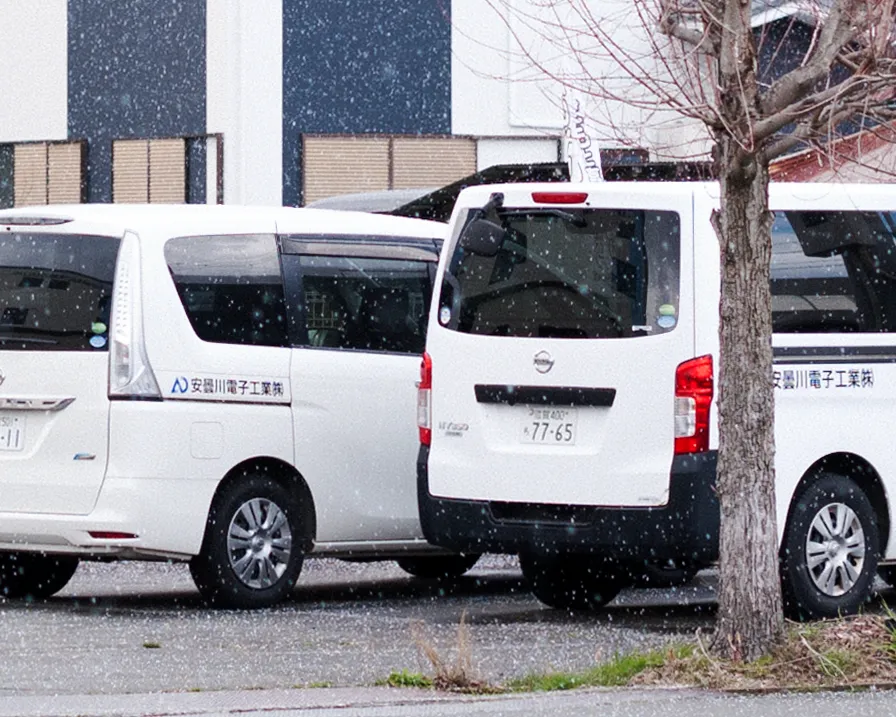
[129, 639]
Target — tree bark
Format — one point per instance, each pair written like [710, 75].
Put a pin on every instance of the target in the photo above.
[750, 619]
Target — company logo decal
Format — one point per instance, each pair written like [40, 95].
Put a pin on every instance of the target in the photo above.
[543, 362]
[227, 387]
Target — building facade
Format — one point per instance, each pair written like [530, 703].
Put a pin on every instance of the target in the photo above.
[279, 101]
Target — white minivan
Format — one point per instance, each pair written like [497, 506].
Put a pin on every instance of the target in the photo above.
[566, 404]
[226, 385]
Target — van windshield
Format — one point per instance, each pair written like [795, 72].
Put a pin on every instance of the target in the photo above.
[564, 273]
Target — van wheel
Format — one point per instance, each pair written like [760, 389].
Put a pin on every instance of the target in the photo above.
[438, 566]
[830, 550]
[34, 575]
[570, 582]
[250, 556]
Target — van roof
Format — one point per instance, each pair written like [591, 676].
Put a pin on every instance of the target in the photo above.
[803, 194]
[173, 219]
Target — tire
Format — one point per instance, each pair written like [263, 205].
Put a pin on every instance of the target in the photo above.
[34, 576]
[830, 550]
[572, 582]
[663, 573]
[436, 567]
[251, 555]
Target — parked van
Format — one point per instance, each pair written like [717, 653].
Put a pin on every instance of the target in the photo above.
[229, 386]
[566, 404]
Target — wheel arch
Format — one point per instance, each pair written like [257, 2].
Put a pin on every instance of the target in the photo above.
[866, 477]
[289, 478]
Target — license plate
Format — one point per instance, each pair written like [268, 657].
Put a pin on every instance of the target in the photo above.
[12, 432]
[548, 425]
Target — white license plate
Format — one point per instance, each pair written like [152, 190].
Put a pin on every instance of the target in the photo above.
[12, 432]
[549, 425]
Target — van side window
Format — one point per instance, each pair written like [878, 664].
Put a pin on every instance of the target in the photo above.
[833, 271]
[365, 303]
[55, 291]
[230, 287]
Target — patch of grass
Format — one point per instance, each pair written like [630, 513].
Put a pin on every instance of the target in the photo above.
[613, 673]
[152, 645]
[852, 652]
[319, 685]
[405, 679]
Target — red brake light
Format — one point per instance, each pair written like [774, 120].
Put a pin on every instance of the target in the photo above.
[110, 535]
[424, 398]
[693, 398]
[559, 197]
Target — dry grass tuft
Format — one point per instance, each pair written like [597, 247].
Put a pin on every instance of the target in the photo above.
[848, 652]
[457, 675]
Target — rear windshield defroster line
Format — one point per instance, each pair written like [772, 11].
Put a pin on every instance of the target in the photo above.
[545, 395]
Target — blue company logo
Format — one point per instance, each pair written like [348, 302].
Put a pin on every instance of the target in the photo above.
[180, 385]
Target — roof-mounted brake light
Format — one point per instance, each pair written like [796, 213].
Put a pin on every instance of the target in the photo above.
[559, 197]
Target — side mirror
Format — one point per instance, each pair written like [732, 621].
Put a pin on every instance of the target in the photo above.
[482, 237]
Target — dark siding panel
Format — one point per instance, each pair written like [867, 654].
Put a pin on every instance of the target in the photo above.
[136, 68]
[196, 170]
[363, 66]
[7, 195]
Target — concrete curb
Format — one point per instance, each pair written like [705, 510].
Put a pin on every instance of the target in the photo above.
[223, 703]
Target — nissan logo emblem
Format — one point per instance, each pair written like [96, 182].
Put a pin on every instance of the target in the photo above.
[543, 362]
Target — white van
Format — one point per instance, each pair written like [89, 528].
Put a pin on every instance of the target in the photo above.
[226, 385]
[566, 404]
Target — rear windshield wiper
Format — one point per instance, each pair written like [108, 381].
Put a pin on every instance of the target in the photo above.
[26, 339]
[575, 219]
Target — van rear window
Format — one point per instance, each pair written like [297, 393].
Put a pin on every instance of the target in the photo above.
[55, 291]
[570, 273]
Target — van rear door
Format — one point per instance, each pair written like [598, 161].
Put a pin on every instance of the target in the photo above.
[55, 299]
[562, 318]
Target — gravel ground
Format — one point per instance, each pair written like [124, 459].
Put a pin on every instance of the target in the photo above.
[141, 627]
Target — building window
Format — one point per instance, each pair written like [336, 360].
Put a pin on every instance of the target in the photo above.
[42, 173]
[149, 171]
[344, 164]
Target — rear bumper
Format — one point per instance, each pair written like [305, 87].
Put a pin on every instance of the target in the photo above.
[686, 528]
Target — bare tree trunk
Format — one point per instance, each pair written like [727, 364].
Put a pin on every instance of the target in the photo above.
[750, 617]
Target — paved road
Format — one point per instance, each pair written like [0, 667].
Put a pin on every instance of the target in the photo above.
[140, 627]
[133, 639]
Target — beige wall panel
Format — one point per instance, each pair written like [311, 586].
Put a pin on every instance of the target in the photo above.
[343, 165]
[167, 171]
[130, 168]
[64, 171]
[30, 174]
[431, 161]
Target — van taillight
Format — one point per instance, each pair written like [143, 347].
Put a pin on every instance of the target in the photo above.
[424, 398]
[559, 197]
[693, 397]
[130, 373]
